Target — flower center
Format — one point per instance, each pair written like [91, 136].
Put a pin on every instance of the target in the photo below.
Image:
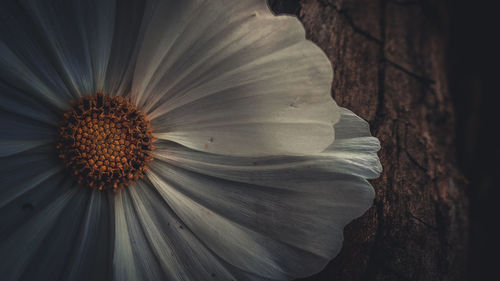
[105, 141]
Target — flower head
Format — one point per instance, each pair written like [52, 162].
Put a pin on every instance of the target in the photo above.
[105, 142]
[212, 120]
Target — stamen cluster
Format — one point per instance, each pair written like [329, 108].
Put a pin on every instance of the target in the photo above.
[105, 141]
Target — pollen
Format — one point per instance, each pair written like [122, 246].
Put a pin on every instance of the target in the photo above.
[105, 142]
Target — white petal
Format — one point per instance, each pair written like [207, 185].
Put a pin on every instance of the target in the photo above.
[124, 266]
[354, 152]
[24, 171]
[256, 139]
[351, 126]
[354, 148]
[78, 35]
[29, 204]
[290, 233]
[131, 19]
[17, 104]
[96, 20]
[59, 51]
[10, 147]
[24, 61]
[297, 205]
[93, 246]
[22, 245]
[181, 255]
[231, 78]
[51, 258]
[36, 82]
[20, 133]
[133, 259]
[237, 245]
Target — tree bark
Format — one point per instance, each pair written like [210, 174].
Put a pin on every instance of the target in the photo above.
[390, 68]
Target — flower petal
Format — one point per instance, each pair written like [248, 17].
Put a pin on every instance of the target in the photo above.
[32, 83]
[21, 129]
[51, 258]
[131, 18]
[231, 78]
[24, 171]
[77, 36]
[354, 152]
[30, 203]
[17, 104]
[180, 255]
[236, 243]
[133, 259]
[93, 246]
[21, 252]
[296, 206]
[277, 234]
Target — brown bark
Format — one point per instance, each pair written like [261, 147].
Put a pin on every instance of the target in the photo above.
[390, 68]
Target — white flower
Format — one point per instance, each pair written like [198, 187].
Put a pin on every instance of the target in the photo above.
[256, 169]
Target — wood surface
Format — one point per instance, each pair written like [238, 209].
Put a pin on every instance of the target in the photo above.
[390, 68]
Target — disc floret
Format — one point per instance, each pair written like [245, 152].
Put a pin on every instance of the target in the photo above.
[105, 141]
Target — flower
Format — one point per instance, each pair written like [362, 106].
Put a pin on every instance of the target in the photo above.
[256, 170]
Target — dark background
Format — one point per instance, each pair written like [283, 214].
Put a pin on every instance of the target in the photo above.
[470, 31]
[474, 80]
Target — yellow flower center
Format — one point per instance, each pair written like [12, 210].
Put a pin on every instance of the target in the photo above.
[106, 142]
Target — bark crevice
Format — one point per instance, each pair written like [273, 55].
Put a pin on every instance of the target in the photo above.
[389, 68]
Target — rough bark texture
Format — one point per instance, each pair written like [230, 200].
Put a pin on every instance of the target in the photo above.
[389, 59]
